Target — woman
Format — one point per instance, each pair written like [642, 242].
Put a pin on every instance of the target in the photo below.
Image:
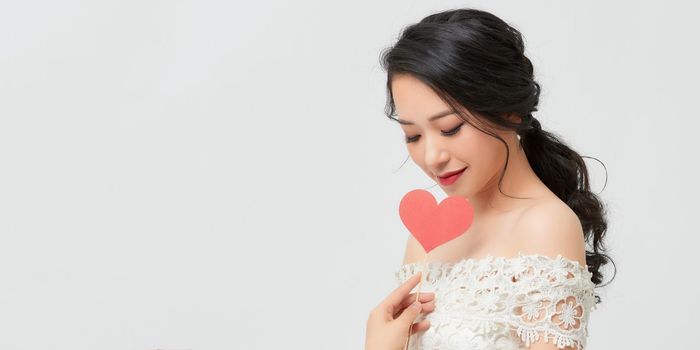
[521, 277]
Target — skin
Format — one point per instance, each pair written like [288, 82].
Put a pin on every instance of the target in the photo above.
[502, 226]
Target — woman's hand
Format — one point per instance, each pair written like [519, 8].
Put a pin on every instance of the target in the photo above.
[388, 323]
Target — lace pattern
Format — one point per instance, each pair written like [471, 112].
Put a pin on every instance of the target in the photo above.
[504, 303]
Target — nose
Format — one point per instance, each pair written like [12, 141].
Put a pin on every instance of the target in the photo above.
[436, 156]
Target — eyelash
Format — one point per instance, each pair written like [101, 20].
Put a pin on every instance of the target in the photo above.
[446, 133]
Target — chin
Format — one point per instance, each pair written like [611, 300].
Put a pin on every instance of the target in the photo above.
[454, 191]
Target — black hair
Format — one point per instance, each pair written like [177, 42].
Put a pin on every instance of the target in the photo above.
[474, 60]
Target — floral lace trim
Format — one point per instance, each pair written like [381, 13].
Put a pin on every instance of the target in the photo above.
[437, 270]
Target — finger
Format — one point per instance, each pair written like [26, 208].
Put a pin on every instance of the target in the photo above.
[424, 297]
[420, 326]
[411, 298]
[401, 291]
[409, 314]
[426, 308]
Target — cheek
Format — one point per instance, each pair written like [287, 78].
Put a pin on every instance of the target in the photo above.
[481, 151]
[416, 154]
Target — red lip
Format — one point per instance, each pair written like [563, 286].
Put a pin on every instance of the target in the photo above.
[445, 175]
[451, 178]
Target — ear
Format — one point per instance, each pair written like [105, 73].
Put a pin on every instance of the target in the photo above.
[514, 118]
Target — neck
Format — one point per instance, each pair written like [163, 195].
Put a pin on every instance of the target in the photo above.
[519, 180]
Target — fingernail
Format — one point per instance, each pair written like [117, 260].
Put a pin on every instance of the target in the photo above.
[416, 305]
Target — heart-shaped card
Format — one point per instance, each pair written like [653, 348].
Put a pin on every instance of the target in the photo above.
[431, 224]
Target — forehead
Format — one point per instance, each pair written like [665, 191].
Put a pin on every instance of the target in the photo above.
[415, 100]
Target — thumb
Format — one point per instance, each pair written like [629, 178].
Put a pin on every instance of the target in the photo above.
[408, 316]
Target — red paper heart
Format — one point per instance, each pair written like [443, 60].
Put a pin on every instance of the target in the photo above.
[431, 224]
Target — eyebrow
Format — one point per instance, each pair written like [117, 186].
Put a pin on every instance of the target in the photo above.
[437, 116]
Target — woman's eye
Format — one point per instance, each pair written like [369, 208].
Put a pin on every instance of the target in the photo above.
[453, 131]
[410, 139]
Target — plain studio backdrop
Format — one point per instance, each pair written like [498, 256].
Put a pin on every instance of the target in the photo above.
[220, 175]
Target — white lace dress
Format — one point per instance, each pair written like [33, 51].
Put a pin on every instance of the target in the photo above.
[504, 303]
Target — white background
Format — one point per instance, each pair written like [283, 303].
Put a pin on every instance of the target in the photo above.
[220, 175]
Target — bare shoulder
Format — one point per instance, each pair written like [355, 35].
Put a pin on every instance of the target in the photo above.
[551, 228]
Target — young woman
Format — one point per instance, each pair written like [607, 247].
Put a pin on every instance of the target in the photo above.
[522, 277]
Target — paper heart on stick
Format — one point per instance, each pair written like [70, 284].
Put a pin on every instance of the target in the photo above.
[431, 224]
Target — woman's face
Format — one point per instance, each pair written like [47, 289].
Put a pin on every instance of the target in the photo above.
[447, 143]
